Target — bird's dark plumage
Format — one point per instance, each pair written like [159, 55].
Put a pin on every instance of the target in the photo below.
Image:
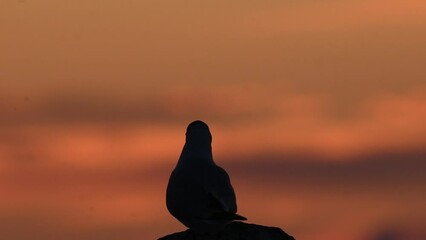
[199, 193]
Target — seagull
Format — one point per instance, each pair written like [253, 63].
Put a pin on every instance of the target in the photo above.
[199, 193]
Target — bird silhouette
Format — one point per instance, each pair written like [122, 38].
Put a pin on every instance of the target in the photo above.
[199, 192]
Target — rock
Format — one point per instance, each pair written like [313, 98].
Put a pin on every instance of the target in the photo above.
[235, 231]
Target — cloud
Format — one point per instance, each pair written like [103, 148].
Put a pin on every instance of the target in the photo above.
[244, 120]
[168, 105]
[316, 196]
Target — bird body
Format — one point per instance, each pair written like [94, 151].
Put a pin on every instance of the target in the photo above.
[199, 192]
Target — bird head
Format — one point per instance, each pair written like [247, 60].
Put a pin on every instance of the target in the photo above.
[197, 133]
[198, 145]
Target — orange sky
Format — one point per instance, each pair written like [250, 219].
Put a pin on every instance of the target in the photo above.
[95, 97]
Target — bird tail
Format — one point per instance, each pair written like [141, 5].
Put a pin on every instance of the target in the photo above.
[228, 216]
[239, 217]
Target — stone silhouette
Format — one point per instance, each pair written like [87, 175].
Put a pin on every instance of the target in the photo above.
[234, 231]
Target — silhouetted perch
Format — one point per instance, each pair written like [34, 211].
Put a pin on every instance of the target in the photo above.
[234, 231]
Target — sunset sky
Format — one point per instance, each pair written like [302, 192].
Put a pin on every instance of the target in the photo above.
[317, 110]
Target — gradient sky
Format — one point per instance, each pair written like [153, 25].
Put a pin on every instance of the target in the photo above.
[309, 97]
